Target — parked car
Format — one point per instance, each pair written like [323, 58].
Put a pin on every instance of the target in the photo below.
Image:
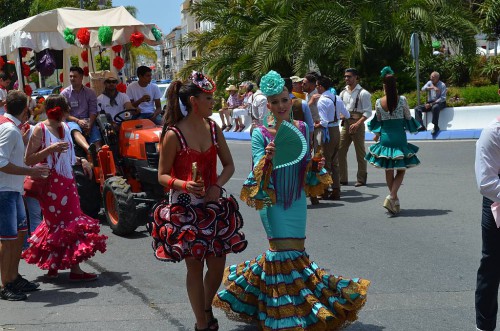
[163, 90]
[45, 91]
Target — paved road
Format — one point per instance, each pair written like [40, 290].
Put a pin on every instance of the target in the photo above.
[422, 264]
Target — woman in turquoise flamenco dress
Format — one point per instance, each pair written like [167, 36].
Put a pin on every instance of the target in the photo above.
[392, 151]
[282, 289]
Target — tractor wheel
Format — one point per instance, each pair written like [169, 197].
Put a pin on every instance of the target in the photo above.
[89, 193]
[119, 205]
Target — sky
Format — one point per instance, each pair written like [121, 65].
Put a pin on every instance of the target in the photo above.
[166, 14]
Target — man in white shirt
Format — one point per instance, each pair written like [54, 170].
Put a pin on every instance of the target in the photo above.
[358, 102]
[111, 101]
[487, 168]
[309, 88]
[330, 109]
[4, 82]
[259, 107]
[13, 225]
[145, 96]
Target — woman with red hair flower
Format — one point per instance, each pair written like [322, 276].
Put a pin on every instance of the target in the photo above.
[66, 237]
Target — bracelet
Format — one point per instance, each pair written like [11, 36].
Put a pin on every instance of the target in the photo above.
[218, 186]
[184, 186]
[171, 182]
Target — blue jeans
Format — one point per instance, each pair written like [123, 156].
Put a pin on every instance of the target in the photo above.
[13, 217]
[488, 274]
[34, 217]
[94, 134]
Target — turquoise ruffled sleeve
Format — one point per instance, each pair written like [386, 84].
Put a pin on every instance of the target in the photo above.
[412, 125]
[374, 125]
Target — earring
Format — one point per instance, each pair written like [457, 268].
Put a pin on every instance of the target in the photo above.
[291, 114]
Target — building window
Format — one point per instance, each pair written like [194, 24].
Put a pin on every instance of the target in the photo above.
[193, 53]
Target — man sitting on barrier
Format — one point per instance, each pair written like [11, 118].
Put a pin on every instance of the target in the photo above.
[436, 101]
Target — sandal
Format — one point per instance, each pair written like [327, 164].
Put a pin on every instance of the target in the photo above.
[213, 323]
[205, 329]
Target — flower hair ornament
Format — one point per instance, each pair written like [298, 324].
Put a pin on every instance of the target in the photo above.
[386, 71]
[54, 113]
[203, 82]
[271, 83]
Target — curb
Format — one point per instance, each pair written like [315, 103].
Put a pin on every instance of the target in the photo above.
[442, 135]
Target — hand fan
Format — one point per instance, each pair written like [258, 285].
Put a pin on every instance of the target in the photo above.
[291, 146]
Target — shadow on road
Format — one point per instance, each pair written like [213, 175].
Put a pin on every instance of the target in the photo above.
[423, 212]
[60, 296]
[358, 326]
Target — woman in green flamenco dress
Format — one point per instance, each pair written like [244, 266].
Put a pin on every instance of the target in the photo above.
[392, 151]
[282, 289]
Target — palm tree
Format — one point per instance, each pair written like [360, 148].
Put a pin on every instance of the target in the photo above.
[253, 36]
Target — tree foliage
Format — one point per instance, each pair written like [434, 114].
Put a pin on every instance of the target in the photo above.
[251, 37]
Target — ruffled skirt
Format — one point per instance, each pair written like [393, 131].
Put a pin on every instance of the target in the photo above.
[396, 158]
[66, 236]
[183, 229]
[284, 290]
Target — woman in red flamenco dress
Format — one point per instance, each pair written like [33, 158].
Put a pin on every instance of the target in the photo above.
[66, 237]
[197, 224]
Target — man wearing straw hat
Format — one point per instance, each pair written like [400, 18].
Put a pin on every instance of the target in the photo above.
[233, 101]
[111, 101]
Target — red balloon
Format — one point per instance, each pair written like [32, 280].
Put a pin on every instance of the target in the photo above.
[85, 56]
[121, 88]
[137, 38]
[117, 48]
[26, 70]
[28, 90]
[83, 36]
[118, 63]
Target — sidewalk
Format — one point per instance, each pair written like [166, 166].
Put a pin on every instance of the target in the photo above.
[455, 123]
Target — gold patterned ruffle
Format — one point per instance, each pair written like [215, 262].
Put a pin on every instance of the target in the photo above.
[286, 244]
[328, 319]
[325, 180]
[262, 174]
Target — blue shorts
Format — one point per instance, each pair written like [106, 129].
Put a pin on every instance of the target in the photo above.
[13, 217]
[94, 136]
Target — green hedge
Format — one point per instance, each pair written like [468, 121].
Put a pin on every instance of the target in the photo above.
[456, 96]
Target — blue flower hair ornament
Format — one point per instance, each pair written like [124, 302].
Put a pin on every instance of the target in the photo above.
[386, 71]
[271, 83]
[203, 82]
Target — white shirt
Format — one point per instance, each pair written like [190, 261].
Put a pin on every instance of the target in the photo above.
[136, 91]
[121, 99]
[326, 109]
[364, 103]
[3, 97]
[11, 151]
[259, 107]
[313, 107]
[487, 164]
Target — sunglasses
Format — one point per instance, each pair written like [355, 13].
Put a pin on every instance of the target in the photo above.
[111, 81]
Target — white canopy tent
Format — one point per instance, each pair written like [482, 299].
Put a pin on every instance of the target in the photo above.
[46, 30]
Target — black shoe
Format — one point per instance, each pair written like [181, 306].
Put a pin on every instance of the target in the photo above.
[422, 129]
[435, 130]
[10, 293]
[314, 201]
[24, 285]
[343, 183]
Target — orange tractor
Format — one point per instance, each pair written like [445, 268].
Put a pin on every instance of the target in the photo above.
[125, 180]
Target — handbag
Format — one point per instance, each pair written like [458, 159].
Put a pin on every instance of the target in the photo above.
[35, 187]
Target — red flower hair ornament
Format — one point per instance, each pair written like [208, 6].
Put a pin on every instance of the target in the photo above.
[54, 113]
[203, 82]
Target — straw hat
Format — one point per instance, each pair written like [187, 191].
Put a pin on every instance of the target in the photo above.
[232, 88]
